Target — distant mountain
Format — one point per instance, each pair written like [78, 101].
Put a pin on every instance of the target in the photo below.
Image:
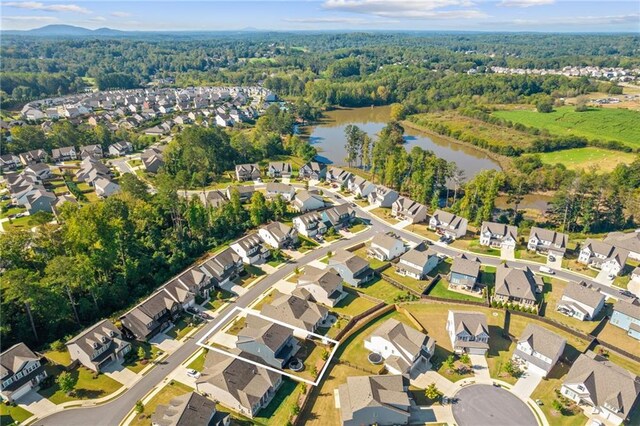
[67, 30]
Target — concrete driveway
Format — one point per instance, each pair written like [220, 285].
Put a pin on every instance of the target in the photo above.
[480, 367]
[526, 384]
[37, 404]
[507, 253]
[120, 373]
[603, 278]
[634, 287]
[490, 405]
[556, 263]
[165, 343]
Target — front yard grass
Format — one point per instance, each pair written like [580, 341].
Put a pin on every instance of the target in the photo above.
[382, 290]
[268, 298]
[277, 257]
[422, 229]
[198, 363]
[574, 265]
[166, 394]
[250, 274]
[384, 213]
[306, 244]
[13, 415]
[546, 392]
[352, 305]
[524, 254]
[475, 247]
[136, 365]
[216, 301]
[618, 337]
[183, 326]
[86, 388]
[15, 224]
[357, 226]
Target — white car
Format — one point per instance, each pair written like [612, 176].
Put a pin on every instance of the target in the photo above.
[193, 373]
[547, 270]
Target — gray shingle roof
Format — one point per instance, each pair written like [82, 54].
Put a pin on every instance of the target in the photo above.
[520, 283]
[542, 341]
[580, 292]
[190, 409]
[361, 392]
[630, 310]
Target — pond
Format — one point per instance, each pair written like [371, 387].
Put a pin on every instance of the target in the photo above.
[328, 137]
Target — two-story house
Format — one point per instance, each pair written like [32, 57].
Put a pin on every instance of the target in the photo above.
[403, 348]
[40, 170]
[33, 156]
[353, 269]
[120, 149]
[190, 409]
[313, 170]
[580, 301]
[320, 285]
[360, 187]
[273, 343]
[98, 346]
[374, 400]
[305, 201]
[282, 189]
[627, 317]
[406, 209]
[247, 172]
[94, 151]
[339, 176]
[278, 235]
[464, 273]
[468, 332]
[310, 224]
[604, 256]
[185, 287]
[382, 196]
[238, 385]
[628, 241]
[498, 235]
[339, 217]
[251, 249]
[538, 349]
[517, 286]
[66, 153]
[417, 264]
[151, 316]
[449, 224]
[385, 247]
[296, 311]
[223, 267]
[245, 192]
[610, 390]
[547, 241]
[20, 371]
[279, 169]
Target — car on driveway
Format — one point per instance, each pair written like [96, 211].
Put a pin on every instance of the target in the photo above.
[193, 373]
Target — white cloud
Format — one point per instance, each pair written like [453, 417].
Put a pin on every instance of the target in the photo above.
[525, 3]
[409, 9]
[34, 5]
[339, 20]
[98, 19]
[17, 18]
[121, 14]
[573, 21]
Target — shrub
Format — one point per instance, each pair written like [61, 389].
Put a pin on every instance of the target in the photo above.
[139, 407]
[58, 346]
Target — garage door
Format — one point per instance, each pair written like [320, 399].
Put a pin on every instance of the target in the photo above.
[21, 392]
[534, 369]
[476, 351]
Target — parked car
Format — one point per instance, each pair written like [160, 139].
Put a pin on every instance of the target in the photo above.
[547, 270]
[193, 373]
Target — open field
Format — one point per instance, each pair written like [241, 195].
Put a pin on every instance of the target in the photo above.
[603, 160]
[596, 123]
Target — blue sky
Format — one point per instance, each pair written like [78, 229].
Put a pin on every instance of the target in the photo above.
[460, 15]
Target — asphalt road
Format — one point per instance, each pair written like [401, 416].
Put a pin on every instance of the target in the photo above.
[485, 405]
[113, 412]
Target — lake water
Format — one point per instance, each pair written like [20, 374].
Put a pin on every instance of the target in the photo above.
[328, 137]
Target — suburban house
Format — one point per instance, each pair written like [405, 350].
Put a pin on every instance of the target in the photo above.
[40, 170]
[385, 247]
[278, 235]
[286, 191]
[580, 301]
[9, 162]
[238, 385]
[465, 272]
[119, 149]
[190, 409]
[629, 241]
[214, 198]
[63, 154]
[517, 286]
[627, 316]
[91, 170]
[313, 170]
[20, 371]
[597, 382]
[547, 241]
[279, 169]
[245, 172]
[604, 256]
[306, 201]
[322, 286]
[98, 346]
[538, 349]
[468, 332]
[448, 224]
[417, 264]
[339, 216]
[406, 209]
[94, 151]
[223, 267]
[382, 196]
[152, 159]
[339, 176]
[310, 224]
[184, 288]
[33, 156]
[401, 346]
[151, 316]
[353, 269]
[379, 400]
[273, 343]
[105, 187]
[245, 192]
[250, 249]
[296, 311]
[360, 187]
[498, 235]
[39, 200]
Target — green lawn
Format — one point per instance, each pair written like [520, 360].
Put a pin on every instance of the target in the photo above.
[280, 408]
[441, 289]
[306, 244]
[15, 224]
[183, 326]
[373, 262]
[357, 226]
[382, 290]
[136, 365]
[525, 254]
[412, 283]
[475, 247]
[10, 415]
[546, 392]
[352, 305]
[384, 213]
[166, 394]
[603, 160]
[554, 289]
[597, 123]
[619, 360]
[59, 357]
[198, 363]
[216, 301]
[87, 387]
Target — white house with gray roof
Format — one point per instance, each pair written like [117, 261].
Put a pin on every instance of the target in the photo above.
[498, 235]
[380, 400]
[223, 267]
[538, 349]
[406, 209]
[385, 247]
[628, 241]
[580, 301]
[310, 224]
[305, 201]
[382, 196]
[603, 256]
[339, 176]
[417, 264]
[596, 382]
[353, 269]
[547, 241]
[320, 285]
[98, 346]
[251, 249]
[360, 187]
[286, 191]
[279, 169]
[20, 371]
[296, 311]
[402, 347]
[448, 224]
[272, 342]
[278, 235]
[468, 332]
[246, 172]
